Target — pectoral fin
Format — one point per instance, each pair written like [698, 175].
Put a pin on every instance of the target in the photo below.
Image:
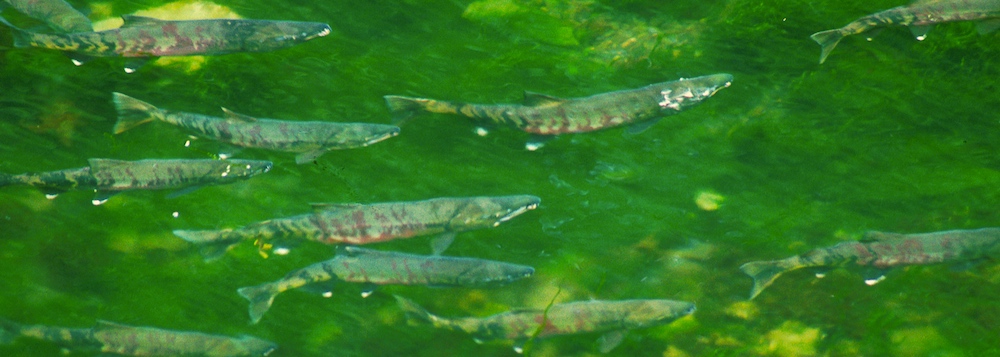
[874, 276]
[133, 64]
[536, 142]
[308, 156]
[368, 289]
[183, 191]
[920, 32]
[440, 243]
[639, 127]
[987, 26]
[78, 58]
[102, 196]
[610, 340]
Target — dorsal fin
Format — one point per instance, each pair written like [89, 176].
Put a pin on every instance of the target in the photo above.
[133, 20]
[103, 325]
[234, 116]
[322, 206]
[533, 99]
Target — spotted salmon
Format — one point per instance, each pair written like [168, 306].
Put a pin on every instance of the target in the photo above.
[108, 177]
[144, 37]
[613, 317]
[309, 139]
[358, 224]
[881, 251]
[118, 339]
[919, 17]
[372, 267]
[56, 13]
[545, 116]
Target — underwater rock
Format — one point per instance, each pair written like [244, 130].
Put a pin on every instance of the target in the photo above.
[791, 339]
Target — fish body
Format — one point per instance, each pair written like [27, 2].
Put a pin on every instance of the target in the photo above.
[559, 319]
[547, 115]
[108, 177]
[56, 13]
[113, 338]
[308, 138]
[358, 224]
[881, 251]
[149, 37]
[360, 265]
[919, 17]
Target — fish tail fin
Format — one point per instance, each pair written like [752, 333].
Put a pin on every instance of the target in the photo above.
[261, 297]
[6, 179]
[417, 314]
[133, 112]
[827, 40]
[21, 37]
[763, 274]
[404, 108]
[9, 331]
[212, 244]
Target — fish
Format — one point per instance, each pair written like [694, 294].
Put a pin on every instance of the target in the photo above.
[520, 325]
[372, 267]
[58, 14]
[879, 251]
[108, 177]
[142, 38]
[919, 16]
[309, 139]
[545, 116]
[358, 224]
[114, 338]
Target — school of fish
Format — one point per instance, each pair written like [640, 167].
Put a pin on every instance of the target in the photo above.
[348, 225]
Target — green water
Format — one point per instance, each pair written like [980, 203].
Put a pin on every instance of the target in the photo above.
[892, 134]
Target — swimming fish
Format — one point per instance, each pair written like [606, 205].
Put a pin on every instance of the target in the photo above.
[118, 339]
[612, 317]
[919, 17]
[56, 13]
[308, 138]
[372, 267]
[881, 251]
[545, 116]
[141, 38]
[358, 224]
[108, 177]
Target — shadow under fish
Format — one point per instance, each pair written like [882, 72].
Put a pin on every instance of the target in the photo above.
[309, 139]
[141, 38]
[372, 267]
[108, 177]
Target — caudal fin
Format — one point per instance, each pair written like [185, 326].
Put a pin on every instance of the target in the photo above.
[403, 108]
[827, 40]
[415, 313]
[22, 38]
[261, 297]
[212, 244]
[6, 179]
[9, 331]
[763, 274]
[133, 112]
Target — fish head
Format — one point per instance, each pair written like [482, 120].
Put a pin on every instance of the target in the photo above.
[645, 313]
[280, 34]
[360, 135]
[687, 92]
[236, 168]
[485, 212]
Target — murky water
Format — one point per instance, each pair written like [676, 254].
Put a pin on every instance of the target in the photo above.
[892, 134]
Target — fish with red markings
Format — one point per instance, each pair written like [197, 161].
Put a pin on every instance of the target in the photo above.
[881, 251]
[612, 317]
[309, 139]
[108, 177]
[142, 38]
[358, 224]
[919, 16]
[545, 116]
[372, 267]
[118, 339]
[56, 13]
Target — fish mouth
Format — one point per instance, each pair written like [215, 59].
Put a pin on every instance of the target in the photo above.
[382, 137]
[322, 32]
[516, 212]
